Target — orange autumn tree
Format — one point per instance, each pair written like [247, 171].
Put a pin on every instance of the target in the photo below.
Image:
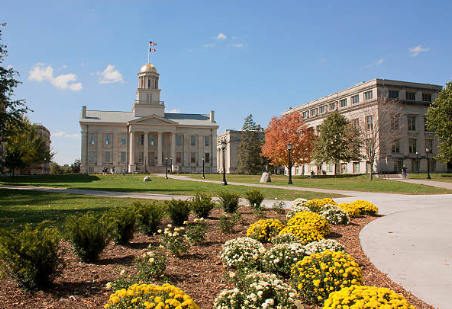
[289, 128]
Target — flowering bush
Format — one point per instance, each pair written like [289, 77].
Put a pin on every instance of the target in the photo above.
[150, 296]
[314, 204]
[323, 245]
[298, 202]
[296, 208]
[352, 212]
[366, 297]
[365, 207]
[285, 239]
[196, 231]
[279, 206]
[151, 264]
[259, 290]
[242, 252]
[334, 215]
[280, 258]
[264, 230]
[311, 219]
[328, 201]
[305, 233]
[320, 274]
[174, 240]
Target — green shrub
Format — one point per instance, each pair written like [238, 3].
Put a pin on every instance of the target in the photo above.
[227, 222]
[255, 198]
[124, 219]
[149, 216]
[178, 211]
[229, 201]
[201, 204]
[151, 264]
[31, 257]
[89, 235]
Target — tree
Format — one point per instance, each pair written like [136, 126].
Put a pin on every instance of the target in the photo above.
[24, 146]
[289, 128]
[439, 117]
[249, 151]
[76, 166]
[338, 141]
[11, 111]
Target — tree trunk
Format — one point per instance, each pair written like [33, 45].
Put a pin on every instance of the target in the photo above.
[371, 170]
[335, 170]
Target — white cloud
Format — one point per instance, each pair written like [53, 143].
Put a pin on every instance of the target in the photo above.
[41, 73]
[221, 36]
[209, 45]
[417, 50]
[65, 135]
[110, 75]
[236, 44]
[378, 63]
[323, 60]
[174, 111]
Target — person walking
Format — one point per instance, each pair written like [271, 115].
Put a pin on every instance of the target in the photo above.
[404, 171]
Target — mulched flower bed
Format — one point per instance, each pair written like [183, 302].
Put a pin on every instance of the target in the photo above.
[199, 273]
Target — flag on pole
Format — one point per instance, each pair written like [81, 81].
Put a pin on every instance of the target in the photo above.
[152, 43]
[152, 50]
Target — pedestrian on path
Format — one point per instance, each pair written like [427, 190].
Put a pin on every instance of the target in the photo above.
[404, 171]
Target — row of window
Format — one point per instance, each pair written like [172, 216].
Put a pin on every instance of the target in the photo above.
[410, 95]
[412, 146]
[123, 140]
[150, 161]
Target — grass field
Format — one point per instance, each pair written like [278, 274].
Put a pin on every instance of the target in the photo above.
[135, 183]
[435, 177]
[342, 182]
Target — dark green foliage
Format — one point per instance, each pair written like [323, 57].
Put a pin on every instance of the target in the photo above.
[227, 222]
[89, 235]
[31, 257]
[249, 152]
[439, 117]
[178, 211]
[255, 198]
[124, 219]
[229, 201]
[149, 216]
[201, 204]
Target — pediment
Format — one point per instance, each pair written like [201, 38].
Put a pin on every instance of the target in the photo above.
[152, 120]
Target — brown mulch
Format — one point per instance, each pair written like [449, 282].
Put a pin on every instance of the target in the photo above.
[199, 273]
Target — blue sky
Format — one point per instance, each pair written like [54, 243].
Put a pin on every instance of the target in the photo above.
[234, 57]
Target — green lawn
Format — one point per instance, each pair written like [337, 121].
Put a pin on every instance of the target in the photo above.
[342, 182]
[18, 207]
[135, 183]
[435, 177]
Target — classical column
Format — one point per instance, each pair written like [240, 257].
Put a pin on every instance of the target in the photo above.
[131, 153]
[173, 147]
[100, 142]
[200, 149]
[159, 149]
[146, 148]
[84, 145]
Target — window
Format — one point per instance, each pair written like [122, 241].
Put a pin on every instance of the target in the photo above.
[91, 157]
[396, 146]
[355, 99]
[207, 140]
[193, 157]
[412, 145]
[193, 140]
[107, 156]
[91, 138]
[368, 95]
[207, 157]
[369, 123]
[344, 103]
[178, 140]
[123, 139]
[123, 157]
[395, 122]
[313, 112]
[140, 157]
[429, 145]
[141, 139]
[398, 163]
[178, 157]
[305, 114]
[393, 94]
[151, 139]
[107, 139]
[411, 96]
[332, 106]
[322, 109]
[355, 122]
[411, 122]
[426, 97]
[355, 167]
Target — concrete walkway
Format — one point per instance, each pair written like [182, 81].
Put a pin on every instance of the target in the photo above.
[411, 243]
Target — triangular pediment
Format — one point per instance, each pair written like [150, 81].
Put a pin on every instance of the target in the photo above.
[152, 120]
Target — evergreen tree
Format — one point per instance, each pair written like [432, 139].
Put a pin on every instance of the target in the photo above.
[338, 141]
[249, 151]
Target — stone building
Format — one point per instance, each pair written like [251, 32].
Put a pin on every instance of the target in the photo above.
[360, 105]
[147, 138]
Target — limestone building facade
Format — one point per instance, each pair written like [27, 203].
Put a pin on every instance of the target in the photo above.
[360, 105]
[147, 139]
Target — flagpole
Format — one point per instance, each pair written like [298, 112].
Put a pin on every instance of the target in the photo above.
[149, 51]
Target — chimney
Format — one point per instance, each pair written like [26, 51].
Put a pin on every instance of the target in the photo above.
[212, 116]
[84, 111]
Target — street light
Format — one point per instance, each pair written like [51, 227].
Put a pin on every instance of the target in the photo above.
[145, 159]
[427, 150]
[417, 161]
[166, 168]
[203, 175]
[223, 147]
[289, 147]
[171, 164]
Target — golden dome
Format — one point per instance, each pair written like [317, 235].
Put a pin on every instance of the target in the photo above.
[148, 68]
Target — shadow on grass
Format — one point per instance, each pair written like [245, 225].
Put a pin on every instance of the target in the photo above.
[54, 179]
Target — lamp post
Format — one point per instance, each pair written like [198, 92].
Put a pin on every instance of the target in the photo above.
[171, 164]
[166, 168]
[289, 147]
[427, 150]
[203, 175]
[223, 147]
[145, 159]
[417, 161]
